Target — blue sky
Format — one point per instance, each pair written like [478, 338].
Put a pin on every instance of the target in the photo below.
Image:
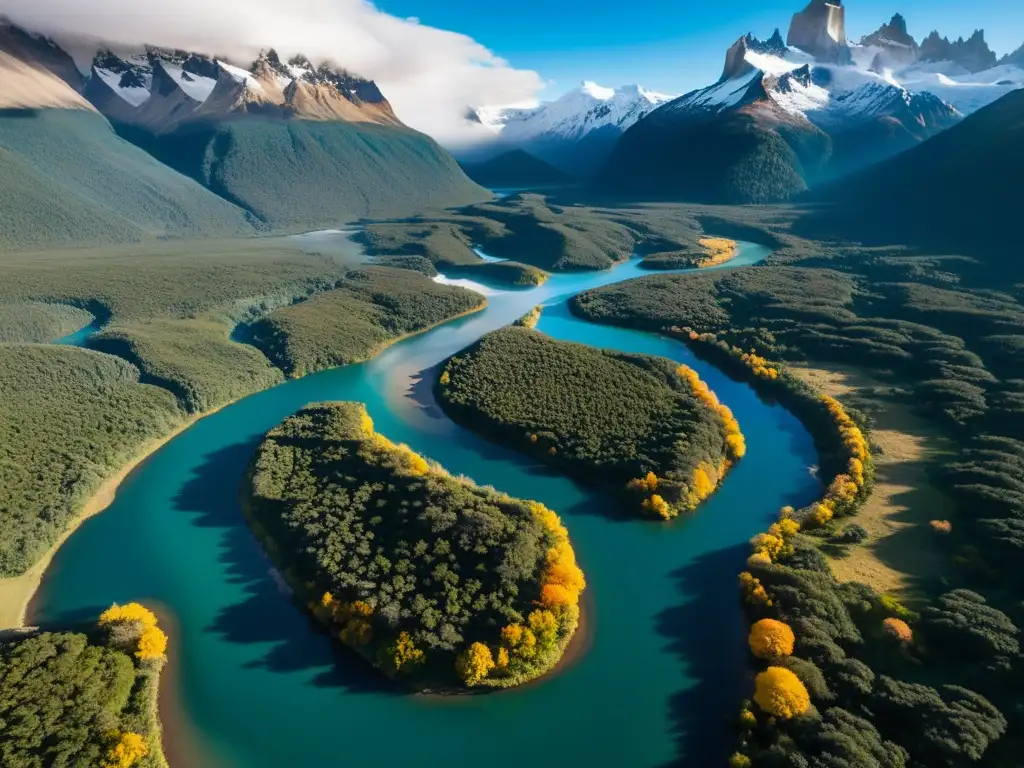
[675, 45]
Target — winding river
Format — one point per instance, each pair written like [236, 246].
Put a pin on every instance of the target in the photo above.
[655, 681]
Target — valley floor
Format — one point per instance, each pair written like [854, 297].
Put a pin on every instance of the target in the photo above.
[901, 551]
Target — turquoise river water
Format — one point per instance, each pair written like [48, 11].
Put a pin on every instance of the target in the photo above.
[655, 680]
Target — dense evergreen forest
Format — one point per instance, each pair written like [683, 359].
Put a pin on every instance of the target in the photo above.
[431, 578]
[539, 231]
[69, 418]
[633, 422]
[850, 676]
[368, 309]
[84, 699]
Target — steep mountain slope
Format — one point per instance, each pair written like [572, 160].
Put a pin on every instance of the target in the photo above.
[956, 189]
[303, 173]
[775, 111]
[576, 132]
[67, 179]
[730, 143]
[515, 168]
[293, 144]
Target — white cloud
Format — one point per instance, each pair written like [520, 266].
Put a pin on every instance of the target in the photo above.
[430, 76]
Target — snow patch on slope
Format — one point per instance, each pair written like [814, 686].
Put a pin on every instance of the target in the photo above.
[240, 75]
[134, 95]
[196, 86]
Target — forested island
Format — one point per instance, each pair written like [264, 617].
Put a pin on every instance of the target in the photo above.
[643, 425]
[84, 698]
[432, 579]
[713, 252]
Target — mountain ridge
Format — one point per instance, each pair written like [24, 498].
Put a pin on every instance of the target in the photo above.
[575, 131]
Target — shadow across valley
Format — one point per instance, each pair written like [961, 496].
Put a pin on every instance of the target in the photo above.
[266, 613]
[707, 630]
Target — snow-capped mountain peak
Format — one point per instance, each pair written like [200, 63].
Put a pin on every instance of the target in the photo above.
[575, 114]
[600, 93]
[575, 131]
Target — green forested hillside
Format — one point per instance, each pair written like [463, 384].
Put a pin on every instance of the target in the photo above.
[749, 156]
[515, 168]
[69, 418]
[426, 575]
[369, 308]
[66, 179]
[607, 417]
[37, 321]
[193, 358]
[951, 192]
[299, 174]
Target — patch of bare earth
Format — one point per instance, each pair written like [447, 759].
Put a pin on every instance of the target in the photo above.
[903, 554]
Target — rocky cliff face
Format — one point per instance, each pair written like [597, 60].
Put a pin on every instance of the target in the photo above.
[159, 90]
[820, 30]
[972, 54]
[736, 63]
[1015, 59]
[897, 47]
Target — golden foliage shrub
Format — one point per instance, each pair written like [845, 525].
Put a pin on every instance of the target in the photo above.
[771, 639]
[780, 693]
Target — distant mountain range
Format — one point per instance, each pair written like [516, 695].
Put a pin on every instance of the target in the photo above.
[783, 118]
[273, 144]
[574, 133]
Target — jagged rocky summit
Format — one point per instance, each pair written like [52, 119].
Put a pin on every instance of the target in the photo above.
[820, 30]
[202, 146]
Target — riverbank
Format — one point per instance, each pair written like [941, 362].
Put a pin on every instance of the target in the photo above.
[385, 345]
[17, 593]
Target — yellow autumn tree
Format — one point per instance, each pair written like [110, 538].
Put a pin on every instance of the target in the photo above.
[754, 592]
[152, 644]
[128, 612]
[502, 659]
[365, 423]
[127, 749]
[821, 513]
[403, 655]
[768, 545]
[658, 506]
[771, 639]
[898, 630]
[780, 693]
[647, 484]
[135, 627]
[474, 664]
[519, 640]
[562, 579]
